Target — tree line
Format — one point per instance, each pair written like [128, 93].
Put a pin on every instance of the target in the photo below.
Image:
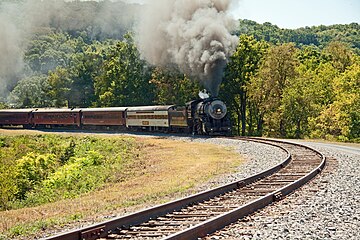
[285, 91]
[319, 36]
[281, 88]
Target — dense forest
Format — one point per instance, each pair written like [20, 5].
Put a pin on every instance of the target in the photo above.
[279, 82]
[319, 36]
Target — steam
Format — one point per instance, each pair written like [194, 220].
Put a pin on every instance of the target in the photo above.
[194, 35]
[19, 20]
[10, 54]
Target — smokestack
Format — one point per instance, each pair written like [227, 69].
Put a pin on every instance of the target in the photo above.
[194, 35]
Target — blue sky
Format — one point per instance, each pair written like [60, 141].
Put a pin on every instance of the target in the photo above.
[295, 13]
[299, 13]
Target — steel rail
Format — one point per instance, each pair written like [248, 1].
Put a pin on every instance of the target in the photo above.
[102, 229]
[209, 226]
[217, 223]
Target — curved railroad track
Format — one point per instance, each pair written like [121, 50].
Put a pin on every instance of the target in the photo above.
[196, 216]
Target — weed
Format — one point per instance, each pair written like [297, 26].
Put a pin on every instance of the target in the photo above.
[68, 153]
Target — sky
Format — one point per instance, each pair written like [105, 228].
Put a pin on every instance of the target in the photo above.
[299, 13]
[295, 13]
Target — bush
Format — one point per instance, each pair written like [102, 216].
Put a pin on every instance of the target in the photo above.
[68, 153]
[53, 167]
[77, 174]
[31, 170]
[8, 187]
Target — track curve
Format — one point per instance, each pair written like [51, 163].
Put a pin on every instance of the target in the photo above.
[196, 216]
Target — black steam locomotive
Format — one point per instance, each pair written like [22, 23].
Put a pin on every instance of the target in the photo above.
[202, 117]
[208, 116]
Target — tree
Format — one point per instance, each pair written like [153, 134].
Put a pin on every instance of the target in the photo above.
[173, 87]
[60, 87]
[275, 73]
[84, 68]
[340, 55]
[31, 92]
[242, 66]
[3, 105]
[124, 77]
[48, 50]
[310, 57]
[296, 106]
[341, 119]
[319, 36]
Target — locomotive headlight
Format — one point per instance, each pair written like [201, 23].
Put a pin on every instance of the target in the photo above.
[216, 109]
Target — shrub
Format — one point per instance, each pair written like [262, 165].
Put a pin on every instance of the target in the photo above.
[8, 187]
[68, 153]
[53, 167]
[31, 170]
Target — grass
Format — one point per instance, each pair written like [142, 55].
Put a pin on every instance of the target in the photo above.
[158, 170]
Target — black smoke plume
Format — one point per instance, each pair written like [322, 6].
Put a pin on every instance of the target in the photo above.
[194, 35]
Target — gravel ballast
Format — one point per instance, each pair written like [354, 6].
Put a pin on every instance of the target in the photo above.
[326, 208]
[258, 157]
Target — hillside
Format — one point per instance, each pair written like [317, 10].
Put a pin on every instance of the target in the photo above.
[319, 36]
[279, 82]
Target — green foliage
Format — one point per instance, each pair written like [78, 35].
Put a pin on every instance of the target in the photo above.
[8, 188]
[68, 153]
[296, 107]
[319, 36]
[28, 229]
[3, 105]
[48, 50]
[31, 170]
[60, 84]
[172, 87]
[340, 119]
[50, 167]
[308, 92]
[124, 77]
[268, 86]
[31, 92]
[79, 175]
[340, 55]
[243, 65]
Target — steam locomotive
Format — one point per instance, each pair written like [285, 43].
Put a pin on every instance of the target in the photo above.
[201, 117]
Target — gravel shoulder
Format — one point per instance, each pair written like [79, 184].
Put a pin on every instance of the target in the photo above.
[326, 208]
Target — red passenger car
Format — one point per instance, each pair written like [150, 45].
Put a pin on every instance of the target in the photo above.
[114, 116]
[14, 117]
[56, 117]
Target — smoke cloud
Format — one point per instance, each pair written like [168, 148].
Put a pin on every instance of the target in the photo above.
[194, 35]
[10, 53]
[19, 20]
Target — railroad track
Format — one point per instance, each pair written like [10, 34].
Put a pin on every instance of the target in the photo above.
[198, 215]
